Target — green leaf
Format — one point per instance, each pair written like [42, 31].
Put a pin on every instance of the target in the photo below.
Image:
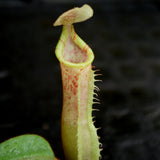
[26, 147]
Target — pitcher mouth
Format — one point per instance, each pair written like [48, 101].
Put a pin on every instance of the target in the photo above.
[72, 50]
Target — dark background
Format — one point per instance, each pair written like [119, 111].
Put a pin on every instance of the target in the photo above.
[125, 37]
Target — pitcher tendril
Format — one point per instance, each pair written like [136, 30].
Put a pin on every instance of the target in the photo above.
[79, 135]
